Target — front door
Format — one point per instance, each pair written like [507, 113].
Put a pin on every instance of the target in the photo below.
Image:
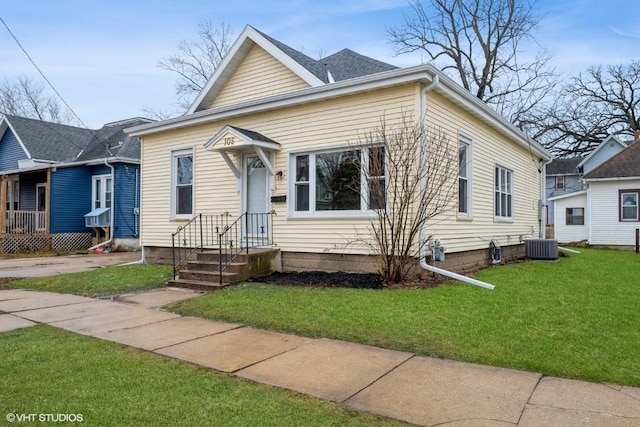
[257, 223]
[41, 207]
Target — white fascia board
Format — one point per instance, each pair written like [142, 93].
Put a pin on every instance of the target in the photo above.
[327, 91]
[238, 51]
[612, 179]
[568, 195]
[3, 127]
[400, 76]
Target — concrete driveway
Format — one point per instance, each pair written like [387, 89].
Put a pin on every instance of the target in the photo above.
[51, 266]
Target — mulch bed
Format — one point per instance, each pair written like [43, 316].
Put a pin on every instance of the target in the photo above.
[344, 280]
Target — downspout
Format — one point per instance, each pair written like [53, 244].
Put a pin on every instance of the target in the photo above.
[113, 204]
[435, 81]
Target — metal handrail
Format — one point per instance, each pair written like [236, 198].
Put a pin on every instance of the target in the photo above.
[231, 238]
[249, 230]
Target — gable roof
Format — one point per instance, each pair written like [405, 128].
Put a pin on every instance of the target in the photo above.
[431, 77]
[564, 166]
[610, 138]
[340, 66]
[65, 145]
[48, 141]
[625, 164]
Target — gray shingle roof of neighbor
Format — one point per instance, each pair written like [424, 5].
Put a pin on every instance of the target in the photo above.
[64, 143]
[564, 166]
[343, 65]
[625, 164]
[50, 141]
[112, 141]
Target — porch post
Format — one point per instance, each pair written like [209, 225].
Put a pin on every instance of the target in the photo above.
[3, 204]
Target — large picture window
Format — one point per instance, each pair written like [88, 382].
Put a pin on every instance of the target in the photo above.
[182, 183]
[503, 193]
[348, 181]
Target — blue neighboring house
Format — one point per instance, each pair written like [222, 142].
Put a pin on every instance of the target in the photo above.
[66, 188]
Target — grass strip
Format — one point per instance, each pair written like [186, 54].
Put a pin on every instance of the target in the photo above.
[575, 318]
[44, 370]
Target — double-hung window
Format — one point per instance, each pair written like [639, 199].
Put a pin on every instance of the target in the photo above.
[102, 192]
[13, 195]
[629, 205]
[182, 183]
[503, 193]
[559, 183]
[349, 181]
[464, 177]
[575, 216]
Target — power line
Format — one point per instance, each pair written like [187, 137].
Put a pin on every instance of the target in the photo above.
[106, 145]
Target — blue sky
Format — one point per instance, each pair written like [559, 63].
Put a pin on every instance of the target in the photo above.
[102, 55]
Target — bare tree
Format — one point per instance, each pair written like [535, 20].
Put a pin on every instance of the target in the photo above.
[602, 101]
[480, 42]
[410, 173]
[197, 60]
[26, 98]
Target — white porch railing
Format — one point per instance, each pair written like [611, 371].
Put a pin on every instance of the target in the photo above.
[25, 222]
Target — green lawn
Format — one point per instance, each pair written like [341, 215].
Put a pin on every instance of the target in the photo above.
[576, 318]
[102, 281]
[44, 370]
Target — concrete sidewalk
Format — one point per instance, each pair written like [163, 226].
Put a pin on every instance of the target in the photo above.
[400, 385]
[53, 265]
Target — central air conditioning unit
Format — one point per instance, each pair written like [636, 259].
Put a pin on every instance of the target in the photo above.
[546, 249]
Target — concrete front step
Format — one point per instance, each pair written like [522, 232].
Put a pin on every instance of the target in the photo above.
[209, 276]
[203, 272]
[234, 267]
[197, 285]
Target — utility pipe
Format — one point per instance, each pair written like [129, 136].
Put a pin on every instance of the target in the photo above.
[435, 81]
[573, 251]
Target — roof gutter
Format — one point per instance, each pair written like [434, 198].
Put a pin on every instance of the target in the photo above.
[435, 81]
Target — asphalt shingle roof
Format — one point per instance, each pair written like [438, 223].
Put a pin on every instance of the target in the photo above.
[624, 164]
[564, 166]
[112, 141]
[347, 64]
[63, 143]
[343, 65]
[50, 141]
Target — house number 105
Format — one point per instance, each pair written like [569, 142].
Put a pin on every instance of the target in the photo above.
[229, 141]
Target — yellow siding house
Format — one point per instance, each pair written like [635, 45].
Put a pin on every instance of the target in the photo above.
[267, 121]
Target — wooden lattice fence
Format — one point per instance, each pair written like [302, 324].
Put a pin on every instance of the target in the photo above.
[17, 243]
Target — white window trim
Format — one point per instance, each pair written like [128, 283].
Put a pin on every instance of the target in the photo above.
[462, 137]
[621, 206]
[364, 212]
[564, 183]
[103, 190]
[513, 192]
[172, 199]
